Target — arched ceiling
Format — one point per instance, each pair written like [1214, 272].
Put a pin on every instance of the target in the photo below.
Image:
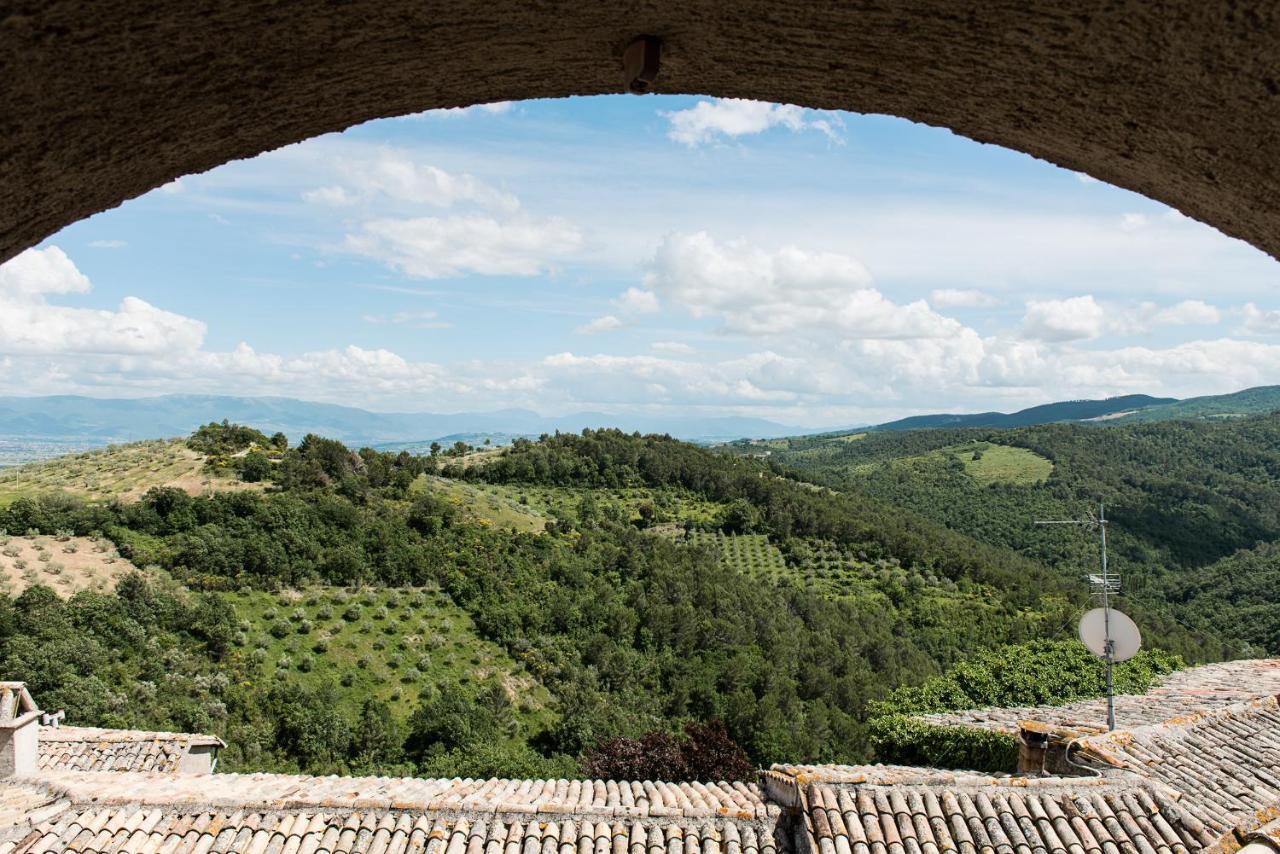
[1176, 99]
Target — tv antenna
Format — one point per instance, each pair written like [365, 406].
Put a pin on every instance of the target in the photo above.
[1107, 633]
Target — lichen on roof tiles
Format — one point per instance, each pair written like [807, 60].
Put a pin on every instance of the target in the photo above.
[1224, 763]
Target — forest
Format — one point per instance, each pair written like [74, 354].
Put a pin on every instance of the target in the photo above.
[352, 617]
[1194, 506]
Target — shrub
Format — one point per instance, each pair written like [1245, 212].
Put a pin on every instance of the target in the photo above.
[280, 629]
[705, 752]
[905, 740]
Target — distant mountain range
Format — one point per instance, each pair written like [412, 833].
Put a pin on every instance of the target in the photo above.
[88, 421]
[1126, 409]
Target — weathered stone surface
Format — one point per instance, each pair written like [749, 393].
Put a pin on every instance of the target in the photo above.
[1177, 99]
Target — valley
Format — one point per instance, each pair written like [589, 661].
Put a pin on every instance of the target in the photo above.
[506, 612]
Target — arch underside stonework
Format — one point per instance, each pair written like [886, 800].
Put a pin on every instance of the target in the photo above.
[100, 102]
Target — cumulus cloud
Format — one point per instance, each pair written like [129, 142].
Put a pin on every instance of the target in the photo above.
[1260, 321]
[1073, 319]
[637, 301]
[36, 272]
[962, 298]
[756, 291]
[607, 323]
[706, 121]
[1084, 318]
[676, 347]
[439, 247]
[30, 325]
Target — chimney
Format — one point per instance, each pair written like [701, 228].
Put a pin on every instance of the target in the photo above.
[19, 730]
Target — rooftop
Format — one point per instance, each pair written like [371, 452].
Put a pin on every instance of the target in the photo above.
[1183, 692]
[92, 749]
[1204, 780]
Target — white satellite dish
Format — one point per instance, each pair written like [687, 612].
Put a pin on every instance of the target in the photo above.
[1125, 638]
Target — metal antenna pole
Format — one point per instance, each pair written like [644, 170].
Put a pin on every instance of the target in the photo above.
[1110, 644]
[1103, 585]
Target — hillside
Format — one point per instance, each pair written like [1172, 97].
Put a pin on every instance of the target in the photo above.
[1069, 410]
[1182, 496]
[1251, 401]
[117, 471]
[407, 614]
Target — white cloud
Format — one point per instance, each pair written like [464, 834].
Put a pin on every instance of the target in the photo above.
[607, 323]
[1084, 318]
[390, 174]
[962, 298]
[676, 347]
[1070, 319]
[31, 326]
[733, 117]
[1191, 312]
[35, 272]
[637, 301]
[439, 247]
[766, 293]
[1260, 321]
[493, 108]
[108, 244]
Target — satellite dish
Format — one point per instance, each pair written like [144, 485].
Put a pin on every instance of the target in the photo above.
[1125, 638]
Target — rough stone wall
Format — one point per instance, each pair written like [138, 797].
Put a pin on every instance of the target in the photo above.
[1177, 99]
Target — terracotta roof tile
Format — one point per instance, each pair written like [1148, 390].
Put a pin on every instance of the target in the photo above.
[93, 749]
[1195, 689]
[539, 799]
[1224, 764]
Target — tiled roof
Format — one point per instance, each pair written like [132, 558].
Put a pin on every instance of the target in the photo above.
[1225, 763]
[549, 798]
[154, 830]
[1195, 689]
[887, 775]
[130, 812]
[1075, 818]
[93, 749]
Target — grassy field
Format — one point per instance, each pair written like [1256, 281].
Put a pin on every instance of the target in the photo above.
[984, 462]
[64, 563]
[1005, 464]
[124, 471]
[485, 503]
[391, 644]
[668, 505]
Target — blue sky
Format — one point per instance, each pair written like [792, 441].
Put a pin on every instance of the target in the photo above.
[672, 254]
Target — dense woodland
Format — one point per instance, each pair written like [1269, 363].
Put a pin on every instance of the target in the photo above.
[1194, 506]
[647, 642]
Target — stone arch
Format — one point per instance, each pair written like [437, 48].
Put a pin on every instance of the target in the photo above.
[1176, 99]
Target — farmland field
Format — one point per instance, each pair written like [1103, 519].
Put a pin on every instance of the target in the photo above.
[64, 563]
[117, 471]
[388, 643]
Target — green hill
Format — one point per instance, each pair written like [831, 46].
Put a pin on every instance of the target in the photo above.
[1182, 495]
[1251, 401]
